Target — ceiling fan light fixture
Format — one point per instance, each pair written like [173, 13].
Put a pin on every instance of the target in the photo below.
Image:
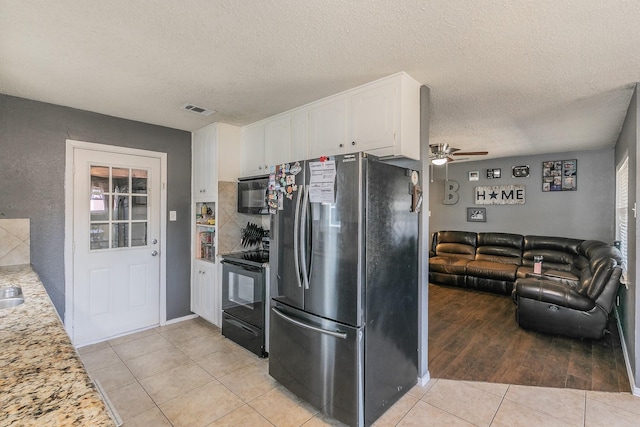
[439, 161]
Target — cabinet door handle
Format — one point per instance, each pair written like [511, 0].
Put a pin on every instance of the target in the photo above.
[353, 143]
[341, 145]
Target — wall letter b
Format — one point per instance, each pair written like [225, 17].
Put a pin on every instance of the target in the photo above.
[450, 192]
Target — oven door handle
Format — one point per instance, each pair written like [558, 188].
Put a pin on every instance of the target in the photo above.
[243, 266]
[296, 236]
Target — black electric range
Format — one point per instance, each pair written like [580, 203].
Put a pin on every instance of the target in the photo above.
[244, 299]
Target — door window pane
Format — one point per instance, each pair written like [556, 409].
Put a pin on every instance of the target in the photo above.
[139, 208]
[120, 208]
[120, 180]
[139, 234]
[99, 207]
[139, 181]
[99, 179]
[99, 236]
[120, 235]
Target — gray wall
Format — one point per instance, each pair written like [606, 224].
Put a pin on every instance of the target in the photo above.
[32, 166]
[585, 214]
[627, 311]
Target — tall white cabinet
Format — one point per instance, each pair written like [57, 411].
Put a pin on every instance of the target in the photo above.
[208, 144]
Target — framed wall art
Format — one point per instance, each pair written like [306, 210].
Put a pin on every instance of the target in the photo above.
[560, 175]
[520, 171]
[474, 175]
[477, 214]
[494, 173]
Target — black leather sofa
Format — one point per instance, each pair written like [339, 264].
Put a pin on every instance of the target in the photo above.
[573, 296]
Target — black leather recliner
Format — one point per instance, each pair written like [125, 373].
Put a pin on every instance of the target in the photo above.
[575, 308]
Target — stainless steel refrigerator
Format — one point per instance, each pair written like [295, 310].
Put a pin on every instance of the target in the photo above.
[344, 287]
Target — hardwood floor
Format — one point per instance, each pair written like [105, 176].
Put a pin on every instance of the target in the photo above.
[474, 336]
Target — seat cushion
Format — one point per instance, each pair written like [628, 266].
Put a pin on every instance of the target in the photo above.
[552, 292]
[449, 265]
[492, 270]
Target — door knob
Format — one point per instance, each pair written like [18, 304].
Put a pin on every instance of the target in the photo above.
[154, 253]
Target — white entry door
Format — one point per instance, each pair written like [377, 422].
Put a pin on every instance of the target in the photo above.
[116, 262]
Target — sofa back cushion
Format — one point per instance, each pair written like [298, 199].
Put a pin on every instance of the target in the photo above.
[456, 244]
[504, 248]
[558, 253]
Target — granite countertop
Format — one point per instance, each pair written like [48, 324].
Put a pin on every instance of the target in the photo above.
[42, 380]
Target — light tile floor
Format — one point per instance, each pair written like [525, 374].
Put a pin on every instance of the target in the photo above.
[188, 374]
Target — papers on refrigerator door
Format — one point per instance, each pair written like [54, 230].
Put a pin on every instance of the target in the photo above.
[322, 182]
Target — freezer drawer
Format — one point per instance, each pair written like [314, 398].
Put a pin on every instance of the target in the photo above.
[318, 360]
[243, 333]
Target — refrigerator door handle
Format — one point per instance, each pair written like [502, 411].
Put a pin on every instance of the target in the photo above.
[336, 334]
[302, 245]
[296, 237]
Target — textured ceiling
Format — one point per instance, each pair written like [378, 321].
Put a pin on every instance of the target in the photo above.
[512, 77]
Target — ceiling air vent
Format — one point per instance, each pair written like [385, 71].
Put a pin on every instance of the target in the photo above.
[198, 110]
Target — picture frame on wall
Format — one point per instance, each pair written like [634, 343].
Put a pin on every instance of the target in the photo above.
[520, 171]
[474, 175]
[476, 214]
[494, 173]
[560, 175]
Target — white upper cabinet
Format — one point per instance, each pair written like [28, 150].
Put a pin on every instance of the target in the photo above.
[328, 127]
[299, 135]
[372, 114]
[277, 140]
[270, 142]
[253, 150]
[205, 185]
[381, 118]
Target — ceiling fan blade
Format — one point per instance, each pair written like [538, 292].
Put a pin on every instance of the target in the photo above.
[471, 153]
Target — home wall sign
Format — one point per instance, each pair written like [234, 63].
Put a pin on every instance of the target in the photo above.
[499, 194]
[560, 175]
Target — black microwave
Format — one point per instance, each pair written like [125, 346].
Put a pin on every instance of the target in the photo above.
[252, 195]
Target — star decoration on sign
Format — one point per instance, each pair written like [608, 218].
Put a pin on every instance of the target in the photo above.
[493, 195]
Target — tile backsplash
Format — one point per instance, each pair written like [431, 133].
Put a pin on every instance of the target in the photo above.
[14, 241]
[229, 222]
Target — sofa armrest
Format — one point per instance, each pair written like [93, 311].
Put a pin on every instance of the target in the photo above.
[552, 292]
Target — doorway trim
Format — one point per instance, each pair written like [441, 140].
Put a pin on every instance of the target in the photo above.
[71, 145]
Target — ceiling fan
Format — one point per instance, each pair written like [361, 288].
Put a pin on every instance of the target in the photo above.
[443, 153]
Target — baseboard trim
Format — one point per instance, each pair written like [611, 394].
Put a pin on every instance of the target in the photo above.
[634, 390]
[423, 380]
[181, 319]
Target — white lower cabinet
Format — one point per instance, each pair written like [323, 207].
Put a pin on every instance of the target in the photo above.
[205, 292]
